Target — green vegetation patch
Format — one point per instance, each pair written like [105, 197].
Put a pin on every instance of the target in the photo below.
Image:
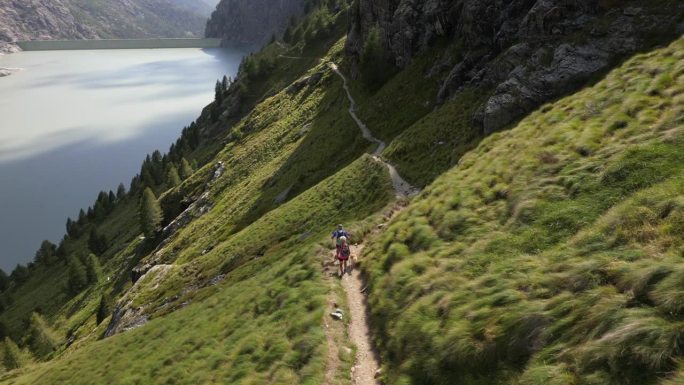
[553, 252]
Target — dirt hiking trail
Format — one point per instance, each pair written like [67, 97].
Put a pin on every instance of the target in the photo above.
[401, 186]
[367, 360]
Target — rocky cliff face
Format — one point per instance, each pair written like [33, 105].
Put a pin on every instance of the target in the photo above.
[251, 23]
[88, 19]
[527, 51]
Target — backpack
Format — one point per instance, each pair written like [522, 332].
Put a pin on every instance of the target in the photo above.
[346, 252]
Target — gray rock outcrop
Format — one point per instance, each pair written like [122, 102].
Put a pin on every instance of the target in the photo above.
[527, 51]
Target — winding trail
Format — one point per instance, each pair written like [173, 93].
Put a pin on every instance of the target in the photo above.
[401, 186]
[367, 360]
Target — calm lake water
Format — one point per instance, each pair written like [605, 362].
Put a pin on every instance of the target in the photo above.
[73, 123]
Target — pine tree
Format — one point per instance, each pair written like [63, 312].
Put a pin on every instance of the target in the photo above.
[20, 274]
[4, 281]
[41, 338]
[103, 310]
[136, 184]
[46, 254]
[97, 243]
[82, 218]
[186, 169]
[218, 94]
[93, 269]
[121, 192]
[78, 277]
[61, 249]
[150, 214]
[148, 179]
[225, 83]
[13, 357]
[157, 167]
[69, 225]
[172, 177]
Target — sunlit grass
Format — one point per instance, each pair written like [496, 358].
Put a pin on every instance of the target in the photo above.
[552, 252]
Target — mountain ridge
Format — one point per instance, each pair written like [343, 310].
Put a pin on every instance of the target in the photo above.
[78, 19]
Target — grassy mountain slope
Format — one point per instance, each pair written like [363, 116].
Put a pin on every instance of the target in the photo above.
[254, 239]
[549, 254]
[277, 145]
[553, 252]
[262, 324]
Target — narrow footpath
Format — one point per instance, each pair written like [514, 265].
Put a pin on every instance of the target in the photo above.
[401, 186]
[367, 361]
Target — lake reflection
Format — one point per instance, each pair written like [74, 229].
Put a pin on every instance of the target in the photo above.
[73, 123]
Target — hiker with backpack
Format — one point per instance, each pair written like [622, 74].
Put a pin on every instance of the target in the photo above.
[342, 247]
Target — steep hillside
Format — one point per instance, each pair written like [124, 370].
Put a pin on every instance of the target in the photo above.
[546, 253]
[553, 252]
[87, 19]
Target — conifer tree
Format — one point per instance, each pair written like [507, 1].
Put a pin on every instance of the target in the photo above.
[41, 338]
[46, 254]
[103, 310]
[78, 277]
[218, 94]
[69, 225]
[13, 357]
[157, 167]
[148, 179]
[97, 243]
[185, 169]
[136, 184]
[93, 269]
[121, 192]
[82, 217]
[225, 83]
[20, 274]
[172, 177]
[61, 249]
[150, 214]
[4, 281]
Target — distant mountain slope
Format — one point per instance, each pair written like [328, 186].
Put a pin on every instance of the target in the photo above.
[95, 19]
[252, 22]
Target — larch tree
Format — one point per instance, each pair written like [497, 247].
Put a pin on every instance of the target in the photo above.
[77, 276]
[93, 269]
[13, 357]
[150, 214]
[41, 339]
[172, 177]
[185, 169]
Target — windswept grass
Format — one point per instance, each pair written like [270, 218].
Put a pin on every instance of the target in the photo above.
[553, 252]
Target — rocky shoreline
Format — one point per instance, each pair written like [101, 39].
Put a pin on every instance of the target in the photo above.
[6, 48]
